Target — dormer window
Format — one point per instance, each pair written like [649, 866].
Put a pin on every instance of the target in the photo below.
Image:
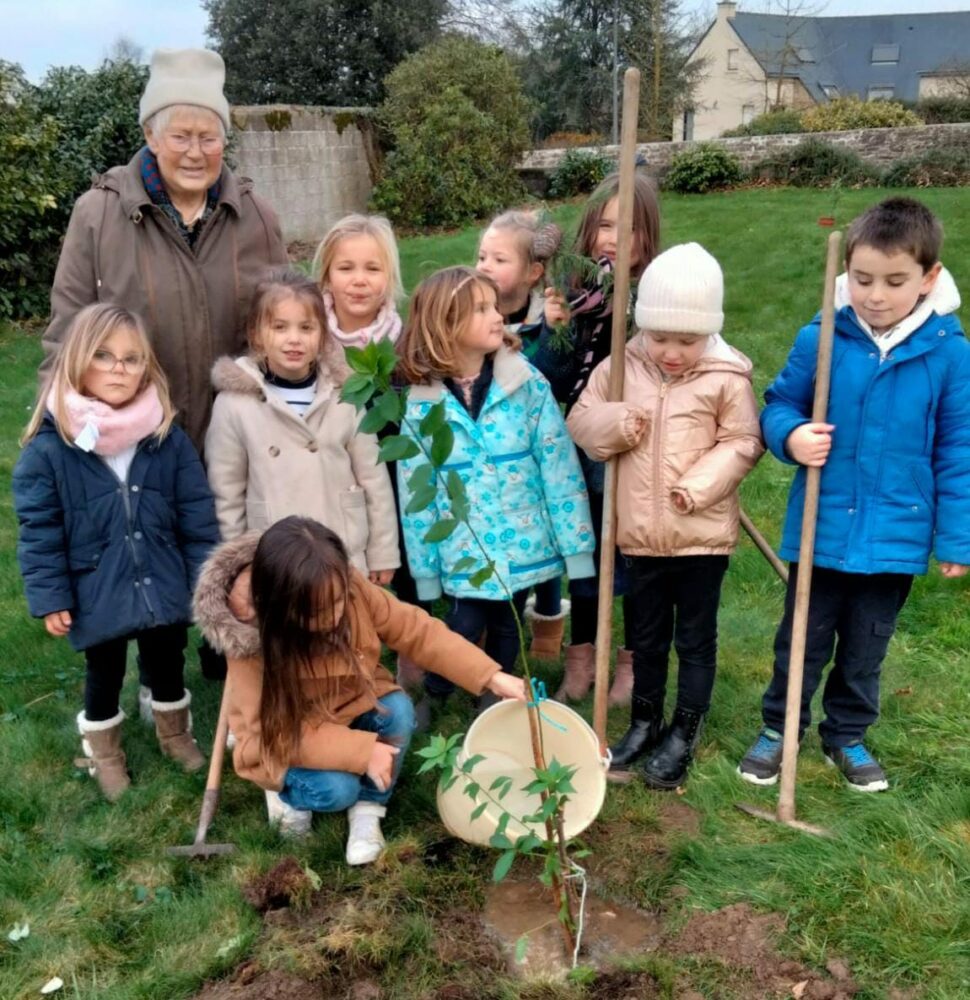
[885, 54]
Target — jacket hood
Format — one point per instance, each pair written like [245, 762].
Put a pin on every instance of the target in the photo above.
[943, 299]
[718, 356]
[509, 371]
[126, 182]
[242, 375]
[210, 606]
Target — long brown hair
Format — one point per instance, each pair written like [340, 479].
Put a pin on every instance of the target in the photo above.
[646, 218]
[89, 329]
[299, 567]
[275, 286]
[441, 308]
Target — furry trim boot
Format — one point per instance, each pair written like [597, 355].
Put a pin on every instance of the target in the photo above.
[292, 823]
[547, 632]
[580, 669]
[409, 675]
[103, 756]
[365, 841]
[173, 727]
[145, 705]
[622, 690]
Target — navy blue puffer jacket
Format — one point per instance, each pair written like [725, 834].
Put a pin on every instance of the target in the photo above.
[121, 557]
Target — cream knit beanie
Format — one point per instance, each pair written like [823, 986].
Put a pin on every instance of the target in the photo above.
[681, 291]
[185, 76]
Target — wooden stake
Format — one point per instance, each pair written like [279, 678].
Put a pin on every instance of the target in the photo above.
[621, 298]
[813, 475]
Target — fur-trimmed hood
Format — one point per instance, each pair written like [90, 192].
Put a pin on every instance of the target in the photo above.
[210, 606]
[243, 375]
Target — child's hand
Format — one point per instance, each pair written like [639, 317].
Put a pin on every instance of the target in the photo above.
[557, 313]
[58, 623]
[507, 686]
[810, 444]
[953, 570]
[241, 598]
[681, 500]
[382, 577]
[380, 767]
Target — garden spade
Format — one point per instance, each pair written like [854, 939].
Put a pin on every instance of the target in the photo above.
[823, 369]
[210, 799]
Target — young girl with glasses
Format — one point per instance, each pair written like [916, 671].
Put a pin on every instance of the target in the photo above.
[115, 518]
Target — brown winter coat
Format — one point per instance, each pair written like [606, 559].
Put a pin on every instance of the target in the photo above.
[121, 248]
[266, 462]
[376, 617]
[701, 438]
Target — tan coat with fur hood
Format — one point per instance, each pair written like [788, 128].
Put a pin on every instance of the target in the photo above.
[265, 462]
[701, 437]
[376, 617]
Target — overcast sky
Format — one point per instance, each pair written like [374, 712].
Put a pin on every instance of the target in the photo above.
[43, 33]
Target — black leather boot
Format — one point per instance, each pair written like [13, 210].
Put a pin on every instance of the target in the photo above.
[645, 732]
[667, 767]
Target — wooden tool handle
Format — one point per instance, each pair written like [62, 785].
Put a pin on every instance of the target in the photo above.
[214, 778]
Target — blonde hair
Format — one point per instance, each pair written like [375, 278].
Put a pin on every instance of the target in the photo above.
[89, 329]
[442, 307]
[537, 242]
[379, 229]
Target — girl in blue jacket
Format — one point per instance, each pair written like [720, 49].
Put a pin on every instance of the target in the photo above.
[115, 518]
[895, 483]
[527, 502]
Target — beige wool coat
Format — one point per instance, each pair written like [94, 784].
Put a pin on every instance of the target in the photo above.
[265, 462]
[121, 248]
[326, 742]
[701, 437]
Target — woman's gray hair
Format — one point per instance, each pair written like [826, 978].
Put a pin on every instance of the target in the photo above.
[158, 122]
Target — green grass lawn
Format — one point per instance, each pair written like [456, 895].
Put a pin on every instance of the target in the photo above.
[116, 918]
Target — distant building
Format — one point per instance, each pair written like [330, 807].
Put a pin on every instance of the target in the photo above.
[756, 62]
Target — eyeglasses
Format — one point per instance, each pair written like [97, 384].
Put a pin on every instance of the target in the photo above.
[179, 142]
[132, 364]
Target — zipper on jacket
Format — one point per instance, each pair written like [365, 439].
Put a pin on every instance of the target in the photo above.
[657, 457]
[130, 526]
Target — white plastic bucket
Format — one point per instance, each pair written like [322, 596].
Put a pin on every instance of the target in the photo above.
[502, 736]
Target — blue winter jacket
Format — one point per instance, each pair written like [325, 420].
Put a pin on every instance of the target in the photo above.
[527, 499]
[121, 557]
[896, 485]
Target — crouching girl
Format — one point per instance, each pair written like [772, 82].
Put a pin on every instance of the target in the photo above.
[319, 722]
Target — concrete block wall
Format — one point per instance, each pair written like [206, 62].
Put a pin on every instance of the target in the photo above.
[313, 164]
[879, 146]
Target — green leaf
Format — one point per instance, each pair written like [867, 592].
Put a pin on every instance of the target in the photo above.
[372, 422]
[527, 842]
[463, 564]
[442, 441]
[457, 496]
[549, 807]
[445, 785]
[520, 948]
[478, 810]
[432, 420]
[472, 789]
[359, 360]
[422, 477]
[500, 842]
[396, 447]
[440, 530]
[391, 405]
[472, 762]
[357, 390]
[385, 359]
[503, 822]
[421, 500]
[503, 865]
[477, 579]
[428, 765]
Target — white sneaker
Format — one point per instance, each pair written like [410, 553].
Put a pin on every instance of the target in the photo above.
[364, 838]
[145, 706]
[291, 822]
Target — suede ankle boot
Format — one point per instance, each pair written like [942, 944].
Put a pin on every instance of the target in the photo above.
[580, 669]
[622, 690]
[173, 726]
[103, 756]
[667, 767]
[644, 734]
[547, 632]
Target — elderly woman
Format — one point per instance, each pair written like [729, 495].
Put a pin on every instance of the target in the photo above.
[174, 235]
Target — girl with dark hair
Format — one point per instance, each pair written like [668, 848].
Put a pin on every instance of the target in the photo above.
[319, 722]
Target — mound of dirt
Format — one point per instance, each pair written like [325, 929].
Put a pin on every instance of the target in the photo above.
[261, 986]
[283, 885]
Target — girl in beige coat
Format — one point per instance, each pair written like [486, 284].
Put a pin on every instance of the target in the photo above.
[280, 441]
[687, 433]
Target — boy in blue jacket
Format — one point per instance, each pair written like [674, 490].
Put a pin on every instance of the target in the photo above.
[895, 484]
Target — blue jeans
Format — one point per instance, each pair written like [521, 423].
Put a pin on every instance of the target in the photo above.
[337, 791]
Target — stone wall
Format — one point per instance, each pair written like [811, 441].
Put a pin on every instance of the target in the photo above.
[313, 164]
[879, 146]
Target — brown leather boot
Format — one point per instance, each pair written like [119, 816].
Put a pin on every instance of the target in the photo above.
[173, 727]
[580, 669]
[103, 756]
[409, 675]
[622, 690]
[547, 633]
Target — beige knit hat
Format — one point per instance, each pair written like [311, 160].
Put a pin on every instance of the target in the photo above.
[681, 291]
[185, 76]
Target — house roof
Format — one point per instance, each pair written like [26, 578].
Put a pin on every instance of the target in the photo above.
[838, 51]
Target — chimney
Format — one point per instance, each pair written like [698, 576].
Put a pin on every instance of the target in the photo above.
[726, 9]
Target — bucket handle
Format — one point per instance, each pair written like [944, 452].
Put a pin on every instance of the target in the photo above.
[538, 697]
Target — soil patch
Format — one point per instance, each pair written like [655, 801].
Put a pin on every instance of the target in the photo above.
[625, 986]
[514, 909]
[283, 885]
[744, 942]
[261, 986]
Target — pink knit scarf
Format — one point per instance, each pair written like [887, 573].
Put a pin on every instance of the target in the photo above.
[387, 324]
[105, 430]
